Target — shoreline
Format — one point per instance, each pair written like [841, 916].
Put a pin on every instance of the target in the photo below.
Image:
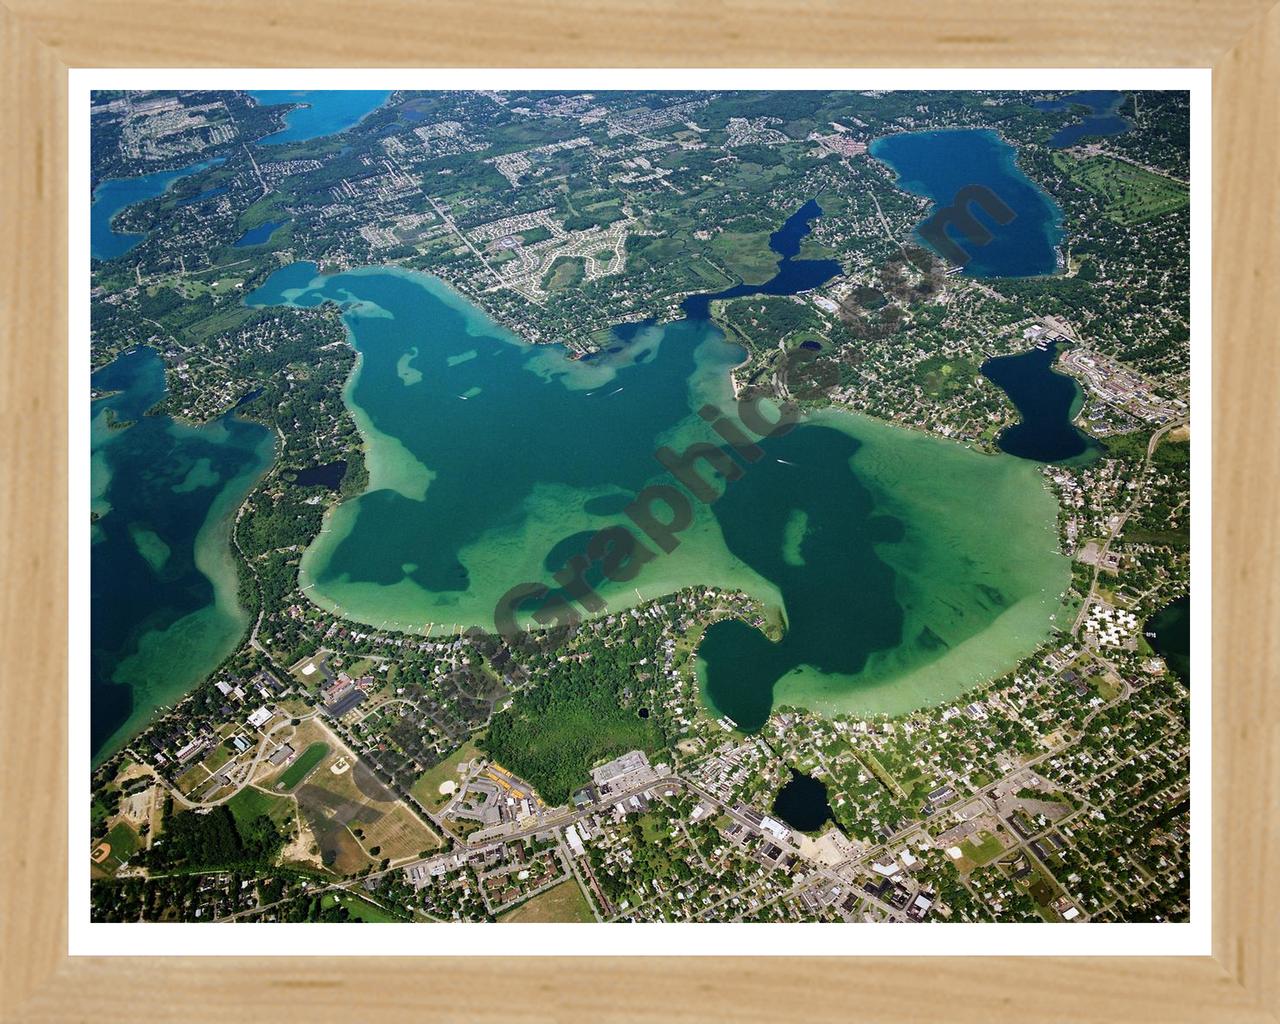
[307, 585]
[381, 618]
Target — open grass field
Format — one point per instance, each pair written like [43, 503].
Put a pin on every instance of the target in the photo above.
[1132, 195]
[812, 249]
[397, 834]
[427, 788]
[305, 761]
[250, 803]
[709, 275]
[1042, 890]
[747, 255]
[563, 903]
[356, 819]
[191, 778]
[987, 849]
[654, 828]
[1106, 688]
[657, 251]
[565, 272]
[340, 851]
[360, 909]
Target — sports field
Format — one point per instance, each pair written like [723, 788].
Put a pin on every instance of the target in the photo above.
[250, 803]
[427, 788]
[123, 843]
[987, 849]
[298, 771]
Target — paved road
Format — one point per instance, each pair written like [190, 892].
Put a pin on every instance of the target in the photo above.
[1124, 517]
[253, 767]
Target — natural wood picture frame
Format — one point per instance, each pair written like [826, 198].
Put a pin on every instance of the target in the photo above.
[41, 39]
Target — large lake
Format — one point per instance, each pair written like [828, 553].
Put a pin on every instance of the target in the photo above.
[938, 164]
[163, 585]
[906, 568]
[327, 111]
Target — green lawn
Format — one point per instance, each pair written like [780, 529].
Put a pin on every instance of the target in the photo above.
[250, 803]
[361, 909]
[363, 667]
[427, 788]
[537, 233]
[300, 768]
[563, 903]
[1131, 194]
[124, 841]
[812, 249]
[1042, 890]
[655, 828]
[1106, 689]
[984, 851]
[709, 275]
[565, 272]
[124, 844]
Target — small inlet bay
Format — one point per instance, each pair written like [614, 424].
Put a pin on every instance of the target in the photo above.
[319, 112]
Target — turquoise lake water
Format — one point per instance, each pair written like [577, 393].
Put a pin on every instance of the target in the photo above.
[328, 111]
[905, 567]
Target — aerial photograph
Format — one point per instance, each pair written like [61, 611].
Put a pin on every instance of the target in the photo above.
[638, 506]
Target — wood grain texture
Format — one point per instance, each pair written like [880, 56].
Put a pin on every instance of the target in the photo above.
[649, 33]
[40, 38]
[1246, 551]
[33, 523]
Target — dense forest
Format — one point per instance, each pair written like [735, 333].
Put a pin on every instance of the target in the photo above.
[585, 711]
[196, 839]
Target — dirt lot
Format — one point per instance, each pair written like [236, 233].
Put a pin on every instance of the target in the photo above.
[337, 804]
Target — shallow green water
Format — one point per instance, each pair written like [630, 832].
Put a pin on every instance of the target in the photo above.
[480, 467]
[163, 583]
[908, 568]
[925, 568]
